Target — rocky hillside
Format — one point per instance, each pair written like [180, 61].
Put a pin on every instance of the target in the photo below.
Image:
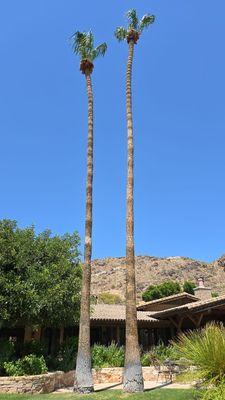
[108, 275]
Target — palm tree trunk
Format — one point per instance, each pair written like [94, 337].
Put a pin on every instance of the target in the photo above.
[83, 378]
[133, 378]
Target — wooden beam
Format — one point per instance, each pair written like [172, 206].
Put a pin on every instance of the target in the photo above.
[200, 320]
[178, 323]
[196, 321]
[192, 319]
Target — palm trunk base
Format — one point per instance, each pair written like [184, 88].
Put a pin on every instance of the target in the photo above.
[83, 382]
[83, 390]
[133, 378]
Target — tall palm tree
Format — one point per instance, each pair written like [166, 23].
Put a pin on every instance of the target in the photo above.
[83, 45]
[133, 378]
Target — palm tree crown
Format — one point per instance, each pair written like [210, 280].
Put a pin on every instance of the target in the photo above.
[83, 45]
[135, 26]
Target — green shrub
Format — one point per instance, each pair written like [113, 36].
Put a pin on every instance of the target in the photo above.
[188, 287]
[158, 354]
[105, 357]
[215, 393]
[34, 347]
[205, 349]
[146, 360]
[159, 291]
[7, 351]
[109, 298]
[28, 365]
[65, 359]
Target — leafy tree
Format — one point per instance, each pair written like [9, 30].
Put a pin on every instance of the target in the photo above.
[83, 46]
[188, 287]
[133, 378]
[154, 292]
[40, 276]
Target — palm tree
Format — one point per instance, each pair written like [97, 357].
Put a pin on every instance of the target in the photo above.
[83, 45]
[133, 378]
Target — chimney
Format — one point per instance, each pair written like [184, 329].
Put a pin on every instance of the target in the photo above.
[202, 292]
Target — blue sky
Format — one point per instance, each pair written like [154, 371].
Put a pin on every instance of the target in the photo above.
[179, 122]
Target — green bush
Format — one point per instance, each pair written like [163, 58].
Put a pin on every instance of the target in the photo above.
[188, 287]
[105, 357]
[65, 359]
[34, 347]
[158, 354]
[146, 360]
[7, 351]
[205, 349]
[28, 365]
[109, 298]
[159, 291]
[215, 393]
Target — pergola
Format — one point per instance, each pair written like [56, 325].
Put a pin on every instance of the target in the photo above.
[194, 315]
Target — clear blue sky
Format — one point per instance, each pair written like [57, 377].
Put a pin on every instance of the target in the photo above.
[179, 121]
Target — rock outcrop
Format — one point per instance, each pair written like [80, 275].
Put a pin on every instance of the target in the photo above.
[108, 275]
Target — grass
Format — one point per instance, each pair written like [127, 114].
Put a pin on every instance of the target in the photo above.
[163, 394]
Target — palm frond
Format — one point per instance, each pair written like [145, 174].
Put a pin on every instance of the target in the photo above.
[99, 51]
[89, 41]
[78, 41]
[133, 19]
[83, 45]
[120, 33]
[145, 21]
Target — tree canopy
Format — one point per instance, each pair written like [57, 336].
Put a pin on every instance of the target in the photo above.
[40, 276]
[188, 287]
[165, 289]
[83, 46]
[154, 292]
[135, 26]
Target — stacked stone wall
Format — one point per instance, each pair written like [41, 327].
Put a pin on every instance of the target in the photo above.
[52, 381]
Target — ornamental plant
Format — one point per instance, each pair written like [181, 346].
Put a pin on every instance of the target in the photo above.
[107, 356]
[28, 365]
[205, 349]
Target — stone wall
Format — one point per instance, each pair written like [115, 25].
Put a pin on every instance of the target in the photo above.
[115, 375]
[45, 383]
[50, 382]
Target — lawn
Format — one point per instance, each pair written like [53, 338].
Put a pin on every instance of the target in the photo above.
[163, 394]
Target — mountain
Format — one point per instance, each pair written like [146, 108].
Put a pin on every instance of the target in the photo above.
[108, 274]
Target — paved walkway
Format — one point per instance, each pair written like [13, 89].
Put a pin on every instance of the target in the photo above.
[149, 385]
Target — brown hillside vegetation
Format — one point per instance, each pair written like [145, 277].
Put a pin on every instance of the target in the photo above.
[108, 275]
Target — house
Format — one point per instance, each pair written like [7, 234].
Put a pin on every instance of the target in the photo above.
[158, 320]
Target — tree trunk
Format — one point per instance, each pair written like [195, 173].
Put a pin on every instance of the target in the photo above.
[83, 378]
[133, 378]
